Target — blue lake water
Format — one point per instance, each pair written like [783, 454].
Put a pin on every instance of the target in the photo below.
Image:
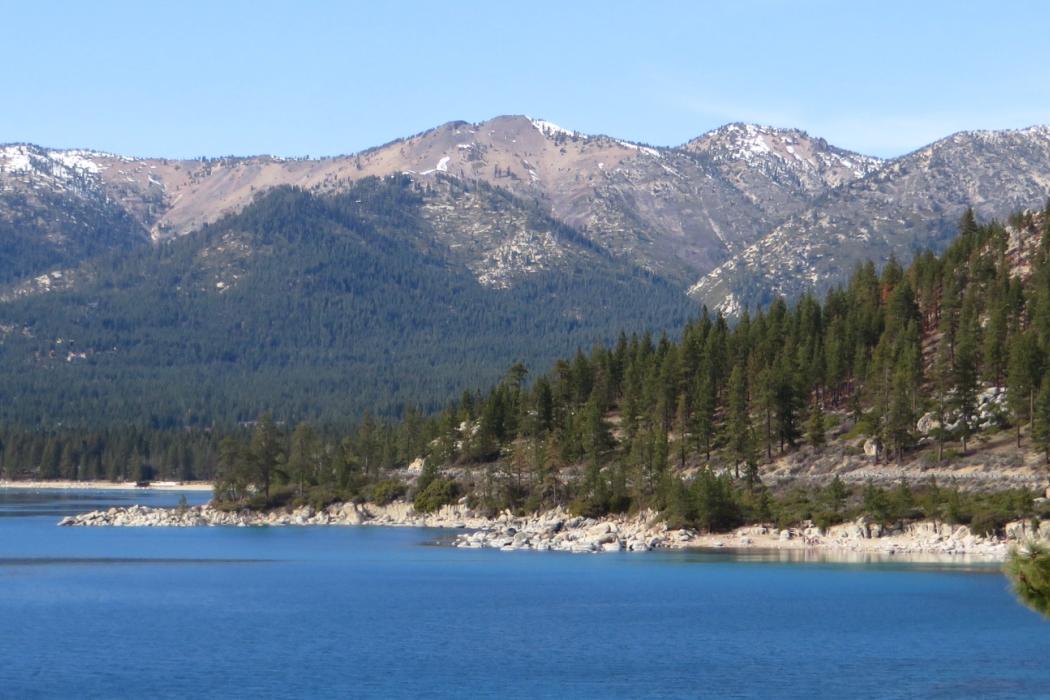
[371, 612]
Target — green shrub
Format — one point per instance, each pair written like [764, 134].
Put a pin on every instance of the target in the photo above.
[534, 503]
[589, 507]
[439, 492]
[386, 491]
[988, 522]
[320, 498]
[824, 519]
[279, 497]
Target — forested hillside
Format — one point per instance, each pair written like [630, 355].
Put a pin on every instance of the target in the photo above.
[46, 231]
[925, 363]
[950, 350]
[316, 308]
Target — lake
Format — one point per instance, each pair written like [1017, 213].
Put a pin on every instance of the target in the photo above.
[383, 613]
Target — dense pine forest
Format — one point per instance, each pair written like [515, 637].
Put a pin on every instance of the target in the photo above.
[310, 307]
[902, 359]
[91, 226]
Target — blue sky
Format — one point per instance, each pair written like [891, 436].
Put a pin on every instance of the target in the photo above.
[186, 78]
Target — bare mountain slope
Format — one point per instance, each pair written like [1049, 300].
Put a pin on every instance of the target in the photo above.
[679, 212]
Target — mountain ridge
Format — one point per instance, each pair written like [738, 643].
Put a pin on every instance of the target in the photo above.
[909, 204]
[670, 209]
[714, 214]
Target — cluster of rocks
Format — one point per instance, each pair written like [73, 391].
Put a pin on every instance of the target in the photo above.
[991, 410]
[863, 536]
[397, 514]
[553, 530]
[558, 530]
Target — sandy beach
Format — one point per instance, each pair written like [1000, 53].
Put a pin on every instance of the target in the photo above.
[108, 485]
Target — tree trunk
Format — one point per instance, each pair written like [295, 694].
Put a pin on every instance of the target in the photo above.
[1031, 411]
[769, 436]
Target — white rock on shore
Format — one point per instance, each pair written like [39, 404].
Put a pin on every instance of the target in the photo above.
[558, 530]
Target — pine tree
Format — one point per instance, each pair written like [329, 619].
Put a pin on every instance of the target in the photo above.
[234, 471]
[597, 438]
[835, 495]
[765, 399]
[266, 452]
[304, 457]
[69, 463]
[50, 463]
[1028, 569]
[901, 417]
[816, 425]
[994, 350]
[1023, 376]
[738, 423]
[942, 394]
[785, 398]
[1041, 420]
[682, 428]
[704, 414]
[965, 375]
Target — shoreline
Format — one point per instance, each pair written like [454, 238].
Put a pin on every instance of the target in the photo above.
[559, 531]
[67, 485]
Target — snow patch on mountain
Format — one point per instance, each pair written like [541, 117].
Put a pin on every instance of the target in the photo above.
[15, 159]
[791, 148]
[76, 160]
[641, 149]
[550, 128]
[441, 167]
[51, 165]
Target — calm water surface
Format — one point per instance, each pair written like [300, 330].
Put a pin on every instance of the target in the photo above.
[370, 612]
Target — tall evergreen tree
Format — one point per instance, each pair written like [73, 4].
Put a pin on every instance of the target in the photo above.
[266, 452]
[738, 423]
[966, 375]
[704, 427]
[816, 426]
[1041, 420]
[1024, 372]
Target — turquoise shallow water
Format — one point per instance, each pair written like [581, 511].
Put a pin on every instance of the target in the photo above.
[370, 612]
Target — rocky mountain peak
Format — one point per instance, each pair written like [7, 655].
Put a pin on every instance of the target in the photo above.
[792, 152]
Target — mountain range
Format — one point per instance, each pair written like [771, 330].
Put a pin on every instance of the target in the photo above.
[552, 237]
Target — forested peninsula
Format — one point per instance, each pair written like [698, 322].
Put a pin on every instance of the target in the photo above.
[909, 398]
